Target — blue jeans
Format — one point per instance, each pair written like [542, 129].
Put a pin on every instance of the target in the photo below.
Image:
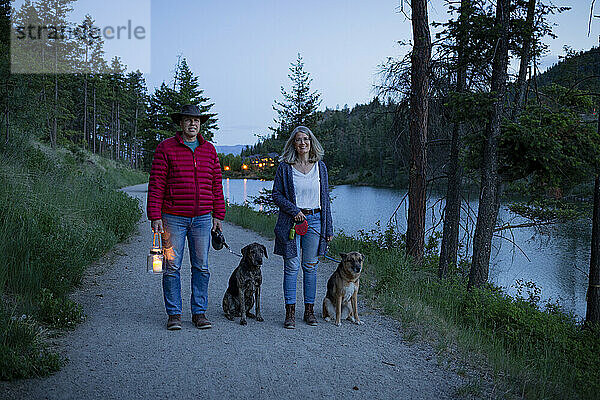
[197, 232]
[308, 246]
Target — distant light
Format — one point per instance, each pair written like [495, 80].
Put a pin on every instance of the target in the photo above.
[226, 168]
[260, 165]
[244, 166]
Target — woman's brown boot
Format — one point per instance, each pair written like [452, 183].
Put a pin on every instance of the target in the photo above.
[290, 316]
[309, 315]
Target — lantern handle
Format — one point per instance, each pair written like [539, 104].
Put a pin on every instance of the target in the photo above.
[154, 240]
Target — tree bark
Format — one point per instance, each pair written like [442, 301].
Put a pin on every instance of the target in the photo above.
[449, 246]
[6, 124]
[489, 196]
[134, 155]
[592, 315]
[94, 119]
[419, 105]
[525, 55]
[118, 121]
[55, 113]
[6, 114]
[112, 128]
[86, 140]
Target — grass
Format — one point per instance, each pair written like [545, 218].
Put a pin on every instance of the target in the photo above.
[529, 350]
[246, 217]
[59, 212]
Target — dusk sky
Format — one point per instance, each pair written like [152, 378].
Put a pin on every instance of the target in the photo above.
[241, 50]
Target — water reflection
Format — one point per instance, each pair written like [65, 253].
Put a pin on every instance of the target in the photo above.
[227, 190]
[557, 262]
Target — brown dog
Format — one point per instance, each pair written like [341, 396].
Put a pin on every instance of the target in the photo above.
[244, 285]
[341, 299]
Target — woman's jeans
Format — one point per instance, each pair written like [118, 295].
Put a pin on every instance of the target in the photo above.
[197, 232]
[308, 246]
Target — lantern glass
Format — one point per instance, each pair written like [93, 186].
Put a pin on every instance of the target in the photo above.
[155, 260]
[155, 263]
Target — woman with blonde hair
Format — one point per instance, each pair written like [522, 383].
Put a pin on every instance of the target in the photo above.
[301, 191]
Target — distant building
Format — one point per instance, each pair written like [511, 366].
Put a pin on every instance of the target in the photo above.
[261, 161]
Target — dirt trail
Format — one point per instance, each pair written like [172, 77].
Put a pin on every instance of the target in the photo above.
[123, 351]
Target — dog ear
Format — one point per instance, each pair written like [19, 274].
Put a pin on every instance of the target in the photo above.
[343, 255]
[264, 249]
[244, 251]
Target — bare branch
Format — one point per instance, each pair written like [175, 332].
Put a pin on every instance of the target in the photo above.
[515, 245]
[591, 16]
[524, 225]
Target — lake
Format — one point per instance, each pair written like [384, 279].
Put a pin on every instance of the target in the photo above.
[556, 261]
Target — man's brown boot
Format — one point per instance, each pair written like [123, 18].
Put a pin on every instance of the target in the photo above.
[290, 316]
[201, 322]
[174, 322]
[309, 315]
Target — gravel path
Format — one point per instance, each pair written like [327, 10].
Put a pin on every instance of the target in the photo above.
[123, 350]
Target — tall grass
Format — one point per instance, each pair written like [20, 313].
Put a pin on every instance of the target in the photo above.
[246, 217]
[59, 211]
[530, 350]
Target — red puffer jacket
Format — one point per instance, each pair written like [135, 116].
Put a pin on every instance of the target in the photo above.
[185, 183]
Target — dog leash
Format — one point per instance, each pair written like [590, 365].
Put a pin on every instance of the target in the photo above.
[324, 255]
[218, 241]
[231, 251]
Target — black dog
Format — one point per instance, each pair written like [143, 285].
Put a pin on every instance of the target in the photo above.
[244, 285]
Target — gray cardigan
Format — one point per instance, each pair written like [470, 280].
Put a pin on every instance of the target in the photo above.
[285, 198]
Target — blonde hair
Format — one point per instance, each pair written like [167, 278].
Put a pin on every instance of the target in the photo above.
[289, 154]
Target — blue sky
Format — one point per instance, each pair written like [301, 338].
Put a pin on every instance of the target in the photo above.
[241, 50]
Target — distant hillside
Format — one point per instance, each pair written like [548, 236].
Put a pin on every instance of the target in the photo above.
[235, 150]
[572, 70]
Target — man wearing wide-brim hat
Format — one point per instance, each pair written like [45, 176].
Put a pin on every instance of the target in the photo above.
[185, 200]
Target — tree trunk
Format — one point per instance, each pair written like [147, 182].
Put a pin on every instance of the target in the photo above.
[6, 117]
[592, 316]
[118, 121]
[449, 246]
[525, 55]
[94, 119]
[134, 156]
[112, 129]
[489, 196]
[86, 140]
[55, 113]
[419, 104]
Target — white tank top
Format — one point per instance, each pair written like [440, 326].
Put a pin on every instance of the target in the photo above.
[307, 188]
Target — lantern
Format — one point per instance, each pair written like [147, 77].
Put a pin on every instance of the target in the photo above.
[154, 264]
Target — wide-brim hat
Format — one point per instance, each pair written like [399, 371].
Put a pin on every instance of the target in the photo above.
[189, 110]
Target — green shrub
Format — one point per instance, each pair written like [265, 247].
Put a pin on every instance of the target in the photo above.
[59, 312]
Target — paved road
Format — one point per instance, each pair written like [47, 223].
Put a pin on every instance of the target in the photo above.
[123, 350]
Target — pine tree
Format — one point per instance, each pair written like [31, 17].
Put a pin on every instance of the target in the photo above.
[299, 106]
[136, 114]
[189, 92]
[167, 100]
